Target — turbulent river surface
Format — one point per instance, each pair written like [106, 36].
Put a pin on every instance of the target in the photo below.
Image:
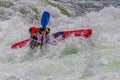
[95, 58]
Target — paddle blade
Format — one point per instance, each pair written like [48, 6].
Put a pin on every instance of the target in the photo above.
[45, 19]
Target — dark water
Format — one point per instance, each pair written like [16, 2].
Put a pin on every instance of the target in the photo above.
[82, 6]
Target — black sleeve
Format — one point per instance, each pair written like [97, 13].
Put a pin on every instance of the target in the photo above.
[40, 30]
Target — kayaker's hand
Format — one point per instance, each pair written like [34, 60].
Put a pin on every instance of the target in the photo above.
[43, 32]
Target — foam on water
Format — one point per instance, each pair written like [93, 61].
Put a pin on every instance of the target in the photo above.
[96, 58]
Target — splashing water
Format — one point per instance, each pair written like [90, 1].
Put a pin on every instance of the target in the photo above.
[96, 58]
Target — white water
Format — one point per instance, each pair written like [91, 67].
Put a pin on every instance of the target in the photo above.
[97, 58]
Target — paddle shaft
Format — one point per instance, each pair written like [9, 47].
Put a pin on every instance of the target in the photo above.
[44, 22]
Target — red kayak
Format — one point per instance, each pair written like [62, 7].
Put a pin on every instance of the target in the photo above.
[84, 33]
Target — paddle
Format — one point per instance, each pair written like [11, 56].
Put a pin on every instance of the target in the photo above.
[44, 21]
